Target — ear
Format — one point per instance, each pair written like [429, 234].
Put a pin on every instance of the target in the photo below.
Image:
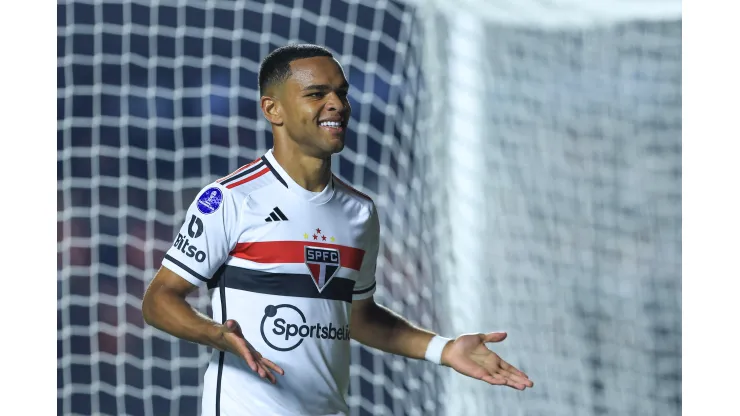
[271, 110]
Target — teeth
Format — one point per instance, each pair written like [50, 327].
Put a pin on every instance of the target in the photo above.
[331, 123]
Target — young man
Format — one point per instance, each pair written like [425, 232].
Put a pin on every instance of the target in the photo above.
[291, 252]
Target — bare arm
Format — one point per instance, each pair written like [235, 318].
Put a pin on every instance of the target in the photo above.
[378, 327]
[165, 308]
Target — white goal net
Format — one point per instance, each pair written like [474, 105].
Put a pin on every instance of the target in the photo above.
[528, 179]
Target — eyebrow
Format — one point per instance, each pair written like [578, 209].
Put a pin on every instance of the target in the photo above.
[325, 87]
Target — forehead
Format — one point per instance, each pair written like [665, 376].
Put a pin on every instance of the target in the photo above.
[320, 70]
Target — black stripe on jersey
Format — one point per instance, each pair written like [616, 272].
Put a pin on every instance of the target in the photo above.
[184, 267]
[242, 174]
[359, 292]
[267, 162]
[280, 213]
[222, 354]
[283, 284]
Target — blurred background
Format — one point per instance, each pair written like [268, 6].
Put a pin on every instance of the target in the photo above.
[525, 158]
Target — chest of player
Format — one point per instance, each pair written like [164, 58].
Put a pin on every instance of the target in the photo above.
[325, 241]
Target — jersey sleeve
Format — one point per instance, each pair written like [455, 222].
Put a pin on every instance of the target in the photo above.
[365, 285]
[207, 236]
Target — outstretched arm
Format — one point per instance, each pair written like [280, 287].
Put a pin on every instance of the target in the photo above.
[378, 327]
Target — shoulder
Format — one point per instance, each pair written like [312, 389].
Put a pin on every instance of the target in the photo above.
[211, 197]
[247, 179]
[363, 207]
[352, 193]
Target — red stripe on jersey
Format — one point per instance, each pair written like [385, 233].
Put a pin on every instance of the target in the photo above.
[294, 252]
[352, 189]
[249, 178]
[238, 170]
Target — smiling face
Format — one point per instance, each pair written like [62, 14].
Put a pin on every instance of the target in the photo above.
[312, 107]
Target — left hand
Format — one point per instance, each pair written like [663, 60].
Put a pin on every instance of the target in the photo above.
[468, 355]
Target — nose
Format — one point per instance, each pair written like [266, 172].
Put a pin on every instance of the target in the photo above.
[335, 103]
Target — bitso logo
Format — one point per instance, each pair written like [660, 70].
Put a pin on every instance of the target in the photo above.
[182, 243]
[284, 327]
[195, 228]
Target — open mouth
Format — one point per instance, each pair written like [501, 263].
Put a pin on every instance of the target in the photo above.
[332, 126]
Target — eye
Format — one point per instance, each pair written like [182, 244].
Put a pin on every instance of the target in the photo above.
[315, 94]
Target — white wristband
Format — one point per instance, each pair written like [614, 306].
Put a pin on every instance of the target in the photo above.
[434, 349]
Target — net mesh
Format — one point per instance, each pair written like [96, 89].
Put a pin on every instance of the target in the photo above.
[573, 231]
[155, 99]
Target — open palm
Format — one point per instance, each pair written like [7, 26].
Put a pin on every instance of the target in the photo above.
[468, 355]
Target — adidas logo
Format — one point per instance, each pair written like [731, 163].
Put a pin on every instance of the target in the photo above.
[276, 215]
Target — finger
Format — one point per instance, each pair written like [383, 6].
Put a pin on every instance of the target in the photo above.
[493, 379]
[502, 380]
[267, 374]
[515, 385]
[273, 366]
[247, 355]
[261, 370]
[508, 367]
[516, 379]
[494, 337]
[271, 377]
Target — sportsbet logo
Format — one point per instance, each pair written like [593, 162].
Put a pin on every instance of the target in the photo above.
[284, 328]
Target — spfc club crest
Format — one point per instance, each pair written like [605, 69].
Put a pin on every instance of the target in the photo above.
[323, 264]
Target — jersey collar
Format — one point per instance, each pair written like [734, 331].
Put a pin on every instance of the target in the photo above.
[314, 197]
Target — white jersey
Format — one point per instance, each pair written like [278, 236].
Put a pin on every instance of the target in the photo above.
[285, 263]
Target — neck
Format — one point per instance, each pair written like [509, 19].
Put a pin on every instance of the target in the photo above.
[309, 172]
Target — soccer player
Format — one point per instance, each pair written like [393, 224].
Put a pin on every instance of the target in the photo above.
[290, 251]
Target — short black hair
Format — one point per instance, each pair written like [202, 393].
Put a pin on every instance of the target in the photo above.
[275, 68]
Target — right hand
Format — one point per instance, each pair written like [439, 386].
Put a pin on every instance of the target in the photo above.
[232, 340]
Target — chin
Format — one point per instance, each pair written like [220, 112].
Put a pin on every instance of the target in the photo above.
[338, 147]
[334, 144]
[328, 151]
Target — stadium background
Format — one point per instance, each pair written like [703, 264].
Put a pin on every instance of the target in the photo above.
[526, 161]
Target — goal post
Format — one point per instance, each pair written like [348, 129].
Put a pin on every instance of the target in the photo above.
[562, 178]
